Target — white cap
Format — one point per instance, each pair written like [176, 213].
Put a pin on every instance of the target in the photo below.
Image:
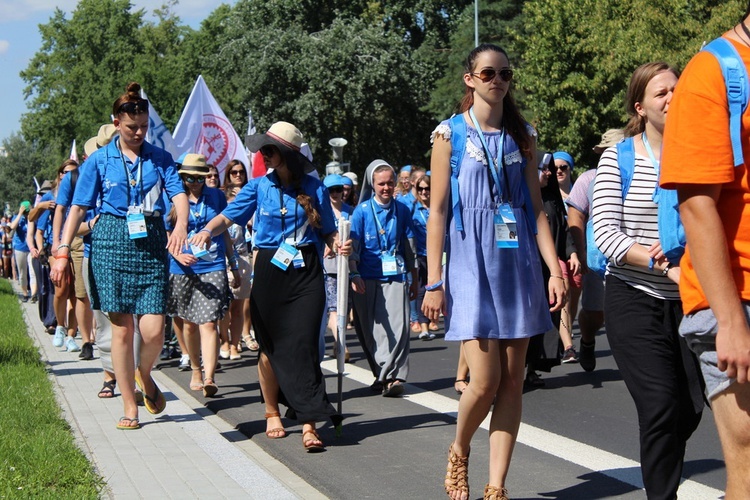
[353, 177]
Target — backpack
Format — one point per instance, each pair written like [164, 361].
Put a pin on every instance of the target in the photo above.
[458, 148]
[595, 259]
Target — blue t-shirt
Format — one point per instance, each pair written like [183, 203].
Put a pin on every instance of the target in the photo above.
[210, 204]
[395, 220]
[103, 175]
[408, 199]
[419, 223]
[44, 222]
[264, 197]
[19, 236]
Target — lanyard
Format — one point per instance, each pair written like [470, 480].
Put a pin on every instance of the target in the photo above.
[199, 215]
[132, 182]
[283, 211]
[650, 152]
[493, 162]
[383, 233]
[421, 214]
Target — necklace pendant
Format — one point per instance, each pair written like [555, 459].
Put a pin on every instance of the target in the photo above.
[382, 231]
[132, 182]
[283, 210]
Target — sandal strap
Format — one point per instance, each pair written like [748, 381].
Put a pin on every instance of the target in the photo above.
[464, 380]
[272, 414]
[457, 472]
[495, 493]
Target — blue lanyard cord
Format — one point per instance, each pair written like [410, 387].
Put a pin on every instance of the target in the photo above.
[383, 234]
[495, 164]
[132, 182]
[283, 210]
[199, 216]
[650, 152]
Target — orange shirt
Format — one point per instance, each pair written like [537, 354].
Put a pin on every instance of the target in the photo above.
[697, 150]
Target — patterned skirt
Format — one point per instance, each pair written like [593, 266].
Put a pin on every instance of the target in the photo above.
[128, 276]
[199, 298]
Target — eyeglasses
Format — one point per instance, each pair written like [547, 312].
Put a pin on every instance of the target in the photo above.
[192, 180]
[133, 107]
[421, 188]
[237, 172]
[487, 75]
[336, 189]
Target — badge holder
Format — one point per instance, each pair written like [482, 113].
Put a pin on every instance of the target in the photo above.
[284, 256]
[506, 231]
[390, 266]
[298, 261]
[136, 222]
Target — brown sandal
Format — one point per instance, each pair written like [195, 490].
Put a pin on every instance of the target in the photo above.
[275, 430]
[457, 473]
[209, 388]
[314, 444]
[495, 493]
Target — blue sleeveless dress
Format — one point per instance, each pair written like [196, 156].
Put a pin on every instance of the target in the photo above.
[492, 293]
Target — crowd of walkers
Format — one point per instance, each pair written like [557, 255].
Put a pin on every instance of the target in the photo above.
[495, 240]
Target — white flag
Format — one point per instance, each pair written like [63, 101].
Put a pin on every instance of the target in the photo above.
[203, 128]
[158, 134]
[73, 152]
[250, 123]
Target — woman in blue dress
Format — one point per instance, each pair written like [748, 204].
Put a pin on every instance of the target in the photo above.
[129, 266]
[492, 260]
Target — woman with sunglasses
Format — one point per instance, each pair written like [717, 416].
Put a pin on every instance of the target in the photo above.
[293, 222]
[212, 179]
[129, 244]
[564, 166]
[492, 265]
[235, 173]
[420, 215]
[198, 287]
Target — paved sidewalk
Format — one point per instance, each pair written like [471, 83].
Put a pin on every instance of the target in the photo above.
[186, 452]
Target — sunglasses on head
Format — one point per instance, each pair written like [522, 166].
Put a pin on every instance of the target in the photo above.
[133, 107]
[489, 74]
[336, 189]
[190, 179]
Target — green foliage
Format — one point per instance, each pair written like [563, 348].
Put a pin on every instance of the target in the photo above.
[24, 161]
[579, 55]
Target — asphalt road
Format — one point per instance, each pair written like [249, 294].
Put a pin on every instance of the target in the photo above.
[579, 435]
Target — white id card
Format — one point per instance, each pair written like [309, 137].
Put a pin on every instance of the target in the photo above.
[298, 261]
[506, 234]
[197, 251]
[136, 223]
[284, 256]
[390, 266]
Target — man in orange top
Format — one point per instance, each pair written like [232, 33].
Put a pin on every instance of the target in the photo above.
[714, 198]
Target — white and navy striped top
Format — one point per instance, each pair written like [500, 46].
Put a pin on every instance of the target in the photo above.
[619, 224]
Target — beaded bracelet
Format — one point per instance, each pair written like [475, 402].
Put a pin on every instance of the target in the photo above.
[63, 245]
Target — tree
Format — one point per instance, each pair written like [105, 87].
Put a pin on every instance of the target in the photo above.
[579, 55]
[25, 160]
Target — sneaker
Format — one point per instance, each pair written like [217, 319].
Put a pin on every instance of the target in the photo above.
[71, 346]
[87, 351]
[570, 355]
[24, 298]
[184, 363]
[34, 298]
[426, 336]
[587, 357]
[164, 355]
[59, 337]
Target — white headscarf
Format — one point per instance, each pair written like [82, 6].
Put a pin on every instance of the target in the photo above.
[367, 191]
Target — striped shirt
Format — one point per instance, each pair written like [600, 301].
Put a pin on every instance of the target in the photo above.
[619, 224]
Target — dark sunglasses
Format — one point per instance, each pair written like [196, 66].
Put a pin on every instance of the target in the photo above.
[237, 172]
[562, 168]
[133, 107]
[336, 189]
[212, 176]
[420, 188]
[192, 180]
[487, 75]
[267, 150]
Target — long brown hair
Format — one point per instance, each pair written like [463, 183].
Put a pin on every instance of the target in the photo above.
[227, 175]
[637, 91]
[61, 169]
[304, 200]
[513, 121]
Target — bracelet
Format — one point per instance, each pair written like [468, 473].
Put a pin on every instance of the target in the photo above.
[558, 277]
[63, 245]
[354, 275]
[651, 264]
[89, 225]
[210, 233]
[666, 269]
[434, 286]
[63, 256]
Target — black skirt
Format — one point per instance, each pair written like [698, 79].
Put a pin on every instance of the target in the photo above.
[287, 310]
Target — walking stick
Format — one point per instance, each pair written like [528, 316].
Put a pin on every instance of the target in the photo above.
[342, 302]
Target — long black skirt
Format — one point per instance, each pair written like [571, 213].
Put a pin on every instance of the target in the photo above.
[287, 310]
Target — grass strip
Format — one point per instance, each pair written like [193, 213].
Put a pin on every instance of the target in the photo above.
[38, 455]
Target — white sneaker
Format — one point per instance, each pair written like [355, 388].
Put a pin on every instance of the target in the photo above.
[59, 337]
[184, 363]
[71, 346]
[426, 336]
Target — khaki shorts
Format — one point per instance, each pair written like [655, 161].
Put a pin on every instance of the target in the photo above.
[76, 258]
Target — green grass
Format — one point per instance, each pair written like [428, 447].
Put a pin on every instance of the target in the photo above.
[38, 456]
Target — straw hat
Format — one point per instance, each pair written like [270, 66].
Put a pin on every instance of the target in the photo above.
[194, 164]
[288, 139]
[103, 137]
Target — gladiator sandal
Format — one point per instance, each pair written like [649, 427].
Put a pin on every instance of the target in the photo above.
[495, 493]
[457, 473]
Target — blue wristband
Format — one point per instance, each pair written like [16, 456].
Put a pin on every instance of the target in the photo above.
[651, 264]
[434, 286]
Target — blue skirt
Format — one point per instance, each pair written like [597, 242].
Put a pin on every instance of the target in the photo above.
[128, 276]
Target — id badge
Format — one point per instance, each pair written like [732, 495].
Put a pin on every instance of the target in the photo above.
[506, 235]
[284, 256]
[197, 251]
[298, 261]
[248, 236]
[390, 266]
[136, 223]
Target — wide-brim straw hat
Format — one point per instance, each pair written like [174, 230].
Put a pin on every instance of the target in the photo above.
[194, 164]
[288, 139]
[105, 135]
